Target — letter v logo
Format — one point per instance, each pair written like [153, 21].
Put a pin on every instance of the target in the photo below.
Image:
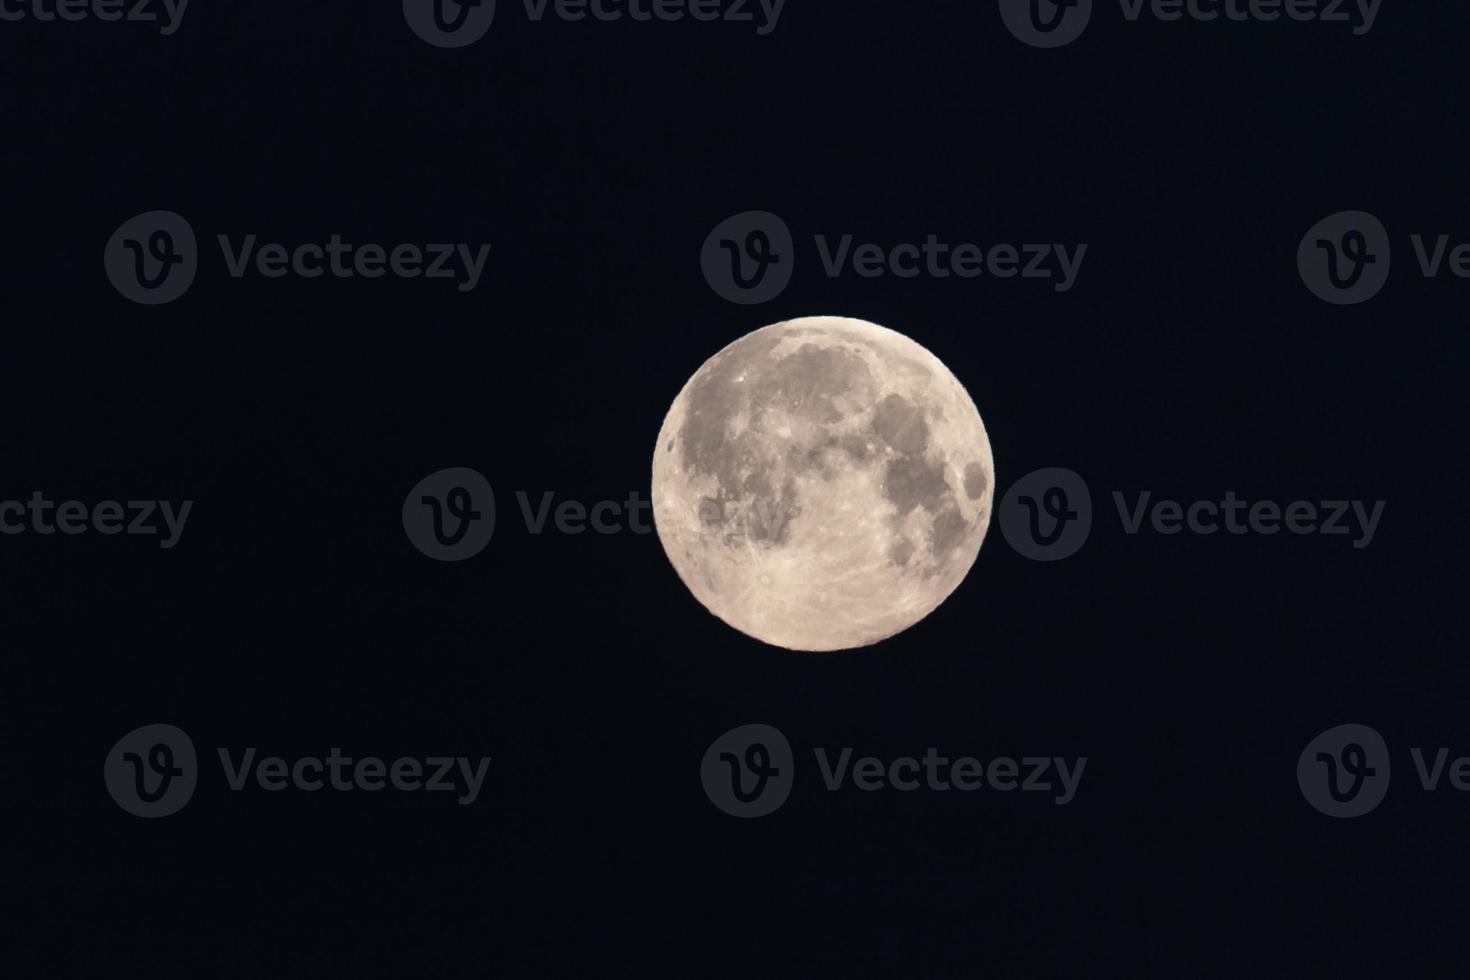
[449, 23]
[1046, 23]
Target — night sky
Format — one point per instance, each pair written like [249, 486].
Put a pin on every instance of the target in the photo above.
[293, 613]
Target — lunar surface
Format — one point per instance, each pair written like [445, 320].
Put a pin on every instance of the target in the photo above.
[822, 484]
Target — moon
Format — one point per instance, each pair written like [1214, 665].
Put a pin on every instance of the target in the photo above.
[822, 483]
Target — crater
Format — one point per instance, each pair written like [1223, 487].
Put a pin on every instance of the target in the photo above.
[807, 381]
[715, 398]
[912, 481]
[901, 424]
[976, 482]
[947, 531]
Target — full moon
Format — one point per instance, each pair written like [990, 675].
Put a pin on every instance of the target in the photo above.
[822, 483]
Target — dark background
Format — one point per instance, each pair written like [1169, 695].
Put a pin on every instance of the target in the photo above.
[295, 616]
